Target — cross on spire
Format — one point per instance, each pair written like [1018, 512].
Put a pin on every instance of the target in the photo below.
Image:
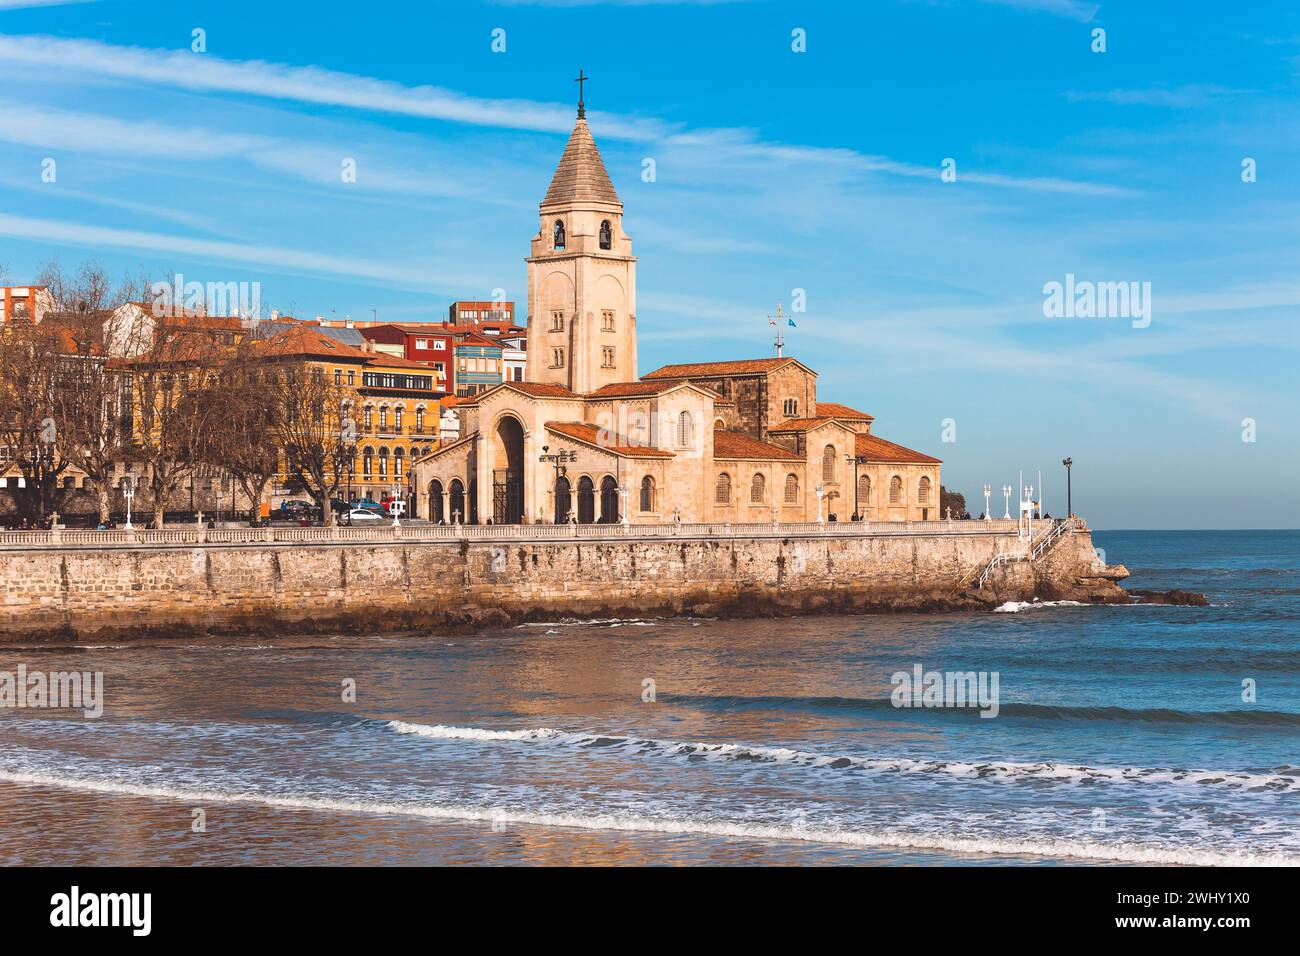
[582, 109]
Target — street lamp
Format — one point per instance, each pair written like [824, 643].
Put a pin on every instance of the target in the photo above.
[853, 460]
[821, 492]
[397, 519]
[1006, 493]
[987, 490]
[558, 460]
[129, 491]
[1069, 491]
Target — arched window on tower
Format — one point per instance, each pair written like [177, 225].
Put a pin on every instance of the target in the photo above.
[923, 491]
[647, 494]
[828, 463]
[606, 235]
[722, 490]
[559, 235]
[758, 489]
[896, 490]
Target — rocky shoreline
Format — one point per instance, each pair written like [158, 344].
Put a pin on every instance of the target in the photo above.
[470, 621]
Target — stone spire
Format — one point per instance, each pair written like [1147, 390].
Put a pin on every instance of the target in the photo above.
[581, 175]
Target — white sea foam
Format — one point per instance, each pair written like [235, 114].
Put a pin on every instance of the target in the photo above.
[1047, 847]
[984, 770]
[1014, 607]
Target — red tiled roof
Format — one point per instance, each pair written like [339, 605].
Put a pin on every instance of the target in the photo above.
[798, 424]
[630, 389]
[478, 341]
[738, 367]
[309, 340]
[605, 441]
[542, 389]
[836, 410]
[874, 448]
[396, 361]
[728, 444]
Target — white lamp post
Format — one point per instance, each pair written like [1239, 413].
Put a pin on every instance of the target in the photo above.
[622, 495]
[987, 516]
[397, 490]
[1006, 493]
[821, 493]
[130, 494]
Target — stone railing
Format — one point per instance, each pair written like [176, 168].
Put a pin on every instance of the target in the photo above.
[383, 534]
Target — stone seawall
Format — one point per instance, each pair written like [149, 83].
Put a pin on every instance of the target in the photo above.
[395, 585]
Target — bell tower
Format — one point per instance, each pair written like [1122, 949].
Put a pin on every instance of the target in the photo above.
[581, 275]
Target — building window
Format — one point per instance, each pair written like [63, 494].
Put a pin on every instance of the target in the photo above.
[369, 416]
[923, 492]
[557, 235]
[606, 235]
[864, 491]
[647, 494]
[722, 491]
[398, 459]
[421, 343]
[896, 490]
[757, 490]
[685, 430]
[383, 463]
[557, 358]
[419, 421]
[791, 408]
[367, 460]
[828, 463]
[607, 320]
[791, 489]
[439, 345]
[607, 356]
[557, 321]
[338, 376]
[383, 418]
[351, 377]
[397, 418]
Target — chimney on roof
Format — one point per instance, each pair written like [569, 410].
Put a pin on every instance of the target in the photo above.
[275, 314]
[348, 323]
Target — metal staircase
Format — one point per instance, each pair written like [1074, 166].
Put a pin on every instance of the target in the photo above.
[1031, 552]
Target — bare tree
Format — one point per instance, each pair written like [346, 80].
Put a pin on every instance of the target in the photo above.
[31, 373]
[93, 405]
[244, 440]
[171, 381]
[314, 428]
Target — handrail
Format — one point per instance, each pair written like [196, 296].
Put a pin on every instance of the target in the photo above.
[197, 535]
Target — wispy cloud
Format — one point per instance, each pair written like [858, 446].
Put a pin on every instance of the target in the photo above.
[18, 4]
[328, 87]
[256, 257]
[1179, 97]
[1074, 9]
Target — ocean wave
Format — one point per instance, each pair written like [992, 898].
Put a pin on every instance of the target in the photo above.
[884, 706]
[1065, 848]
[967, 769]
[1015, 607]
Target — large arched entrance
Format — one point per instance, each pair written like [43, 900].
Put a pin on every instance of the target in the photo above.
[508, 472]
[586, 501]
[456, 504]
[437, 513]
[608, 500]
[563, 500]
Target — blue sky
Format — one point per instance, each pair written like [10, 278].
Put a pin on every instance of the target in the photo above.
[776, 171]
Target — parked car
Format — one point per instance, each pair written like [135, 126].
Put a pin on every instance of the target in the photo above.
[339, 506]
[368, 504]
[362, 516]
[295, 504]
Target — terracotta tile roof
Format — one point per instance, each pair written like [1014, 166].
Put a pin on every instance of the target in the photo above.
[728, 444]
[836, 410]
[798, 424]
[309, 341]
[630, 389]
[738, 367]
[541, 389]
[383, 360]
[581, 175]
[605, 441]
[478, 341]
[874, 448]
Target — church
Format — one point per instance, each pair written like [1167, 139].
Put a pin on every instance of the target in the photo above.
[585, 439]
